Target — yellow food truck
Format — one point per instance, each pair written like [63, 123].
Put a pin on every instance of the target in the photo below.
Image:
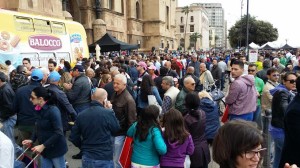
[40, 38]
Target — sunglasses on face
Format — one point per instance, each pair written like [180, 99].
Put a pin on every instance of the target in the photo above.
[291, 81]
[250, 70]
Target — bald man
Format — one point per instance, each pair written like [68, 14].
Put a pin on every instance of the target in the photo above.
[188, 86]
[170, 71]
[190, 72]
[93, 131]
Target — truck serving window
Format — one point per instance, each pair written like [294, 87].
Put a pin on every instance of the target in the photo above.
[44, 58]
[34, 58]
[63, 55]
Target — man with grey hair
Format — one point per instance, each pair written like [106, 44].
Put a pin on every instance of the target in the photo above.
[196, 64]
[170, 95]
[125, 108]
[188, 86]
[278, 65]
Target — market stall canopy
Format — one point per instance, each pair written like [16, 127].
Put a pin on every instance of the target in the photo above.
[286, 47]
[109, 43]
[253, 46]
[267, 47]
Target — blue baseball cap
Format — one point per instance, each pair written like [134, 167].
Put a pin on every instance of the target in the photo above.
[54, 76]
[37, 75]
[80, 68]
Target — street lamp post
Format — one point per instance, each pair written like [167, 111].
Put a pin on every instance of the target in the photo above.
[241, 35]
[247, 36]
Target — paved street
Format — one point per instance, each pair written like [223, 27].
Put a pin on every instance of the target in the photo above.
[72, 150]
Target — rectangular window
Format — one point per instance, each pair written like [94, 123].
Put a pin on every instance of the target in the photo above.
[181, 29]
[63, 55]
[42, 26]
[191, 28]
[34, 58]
[58, 28]
[24, 24]
[44, 57]
[192, 18]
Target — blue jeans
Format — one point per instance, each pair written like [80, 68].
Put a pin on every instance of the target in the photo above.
[278, 145]
[58, 162]
[247, 117]
[257, 117]
[118, 145]
[79, 108]
[90, 163]
[8, 130]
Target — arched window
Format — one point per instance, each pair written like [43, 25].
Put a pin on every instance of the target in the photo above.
[181, 19]
[192, 18]
[137, 10]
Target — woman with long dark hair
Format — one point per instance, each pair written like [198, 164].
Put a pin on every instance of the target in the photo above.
[48, 129]
[147, 139]
[195, 124]
[178, 139]
[147, 88]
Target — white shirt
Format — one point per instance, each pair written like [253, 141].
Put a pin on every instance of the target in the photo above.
[222, 65]
[6, 152]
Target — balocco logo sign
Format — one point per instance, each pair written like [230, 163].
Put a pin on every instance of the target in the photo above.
[44, 42]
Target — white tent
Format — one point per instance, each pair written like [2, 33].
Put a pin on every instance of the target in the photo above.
[254, 46]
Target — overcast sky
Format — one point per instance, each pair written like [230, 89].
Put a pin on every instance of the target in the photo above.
[284, 15]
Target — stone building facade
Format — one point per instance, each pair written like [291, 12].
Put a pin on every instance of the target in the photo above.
[197, 22]
[144, 22]
[147, 23]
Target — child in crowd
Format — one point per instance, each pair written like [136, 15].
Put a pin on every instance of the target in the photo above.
[179, 142]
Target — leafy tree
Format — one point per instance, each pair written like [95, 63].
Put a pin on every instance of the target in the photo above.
[186, 10]
[260, 32]
[194, 37]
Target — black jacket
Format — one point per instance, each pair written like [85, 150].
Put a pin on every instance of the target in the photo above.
[93, 130]
[280, 102]
[80, 92]
[49, 131]
[23, 106]
[291, 147]
[66, 109]
[6, 101]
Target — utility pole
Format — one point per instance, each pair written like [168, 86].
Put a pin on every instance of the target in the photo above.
[241, 28]
[247, 38]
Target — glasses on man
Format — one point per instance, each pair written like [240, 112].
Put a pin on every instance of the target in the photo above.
[275, 75]
[292, 81]
[259, 153]
[251, 70]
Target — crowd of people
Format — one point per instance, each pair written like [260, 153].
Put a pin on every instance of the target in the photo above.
[163, 102]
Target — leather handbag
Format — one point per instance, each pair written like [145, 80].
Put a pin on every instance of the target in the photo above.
[125, 156]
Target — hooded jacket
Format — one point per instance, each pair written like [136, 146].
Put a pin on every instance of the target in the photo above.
[242, 95]
[176, 152]
[212, 117]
